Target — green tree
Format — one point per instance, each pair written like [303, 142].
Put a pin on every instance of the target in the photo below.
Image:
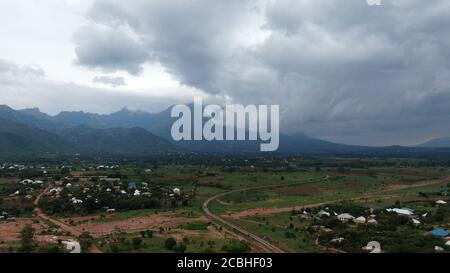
[170, 243]
[86, 240]
[181, 248]
[137, 241]
[26, 237]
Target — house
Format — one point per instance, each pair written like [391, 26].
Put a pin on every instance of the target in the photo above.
[56, 190]
[416, 222]
[447, 243]
[372, 247]
[438, 249]
[76, 201]
[404, 211]
[26, 182]
[360, 220]
[323, 213]
[345, 217]
[439, 233]
[337, 240]
[177, 191]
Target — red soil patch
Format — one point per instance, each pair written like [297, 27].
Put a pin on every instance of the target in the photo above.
[135, 224]
[10, 231]
[268, 211]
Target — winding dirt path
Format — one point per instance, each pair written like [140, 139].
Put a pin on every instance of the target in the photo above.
[41, 215]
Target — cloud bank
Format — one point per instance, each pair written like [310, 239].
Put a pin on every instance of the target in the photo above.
[341, 70]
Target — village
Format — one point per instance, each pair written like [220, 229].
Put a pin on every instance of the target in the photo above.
[122, 207]
[348, 226]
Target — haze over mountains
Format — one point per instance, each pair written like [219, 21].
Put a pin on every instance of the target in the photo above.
[29, 132]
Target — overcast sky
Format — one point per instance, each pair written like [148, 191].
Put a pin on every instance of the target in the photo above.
[341, 70]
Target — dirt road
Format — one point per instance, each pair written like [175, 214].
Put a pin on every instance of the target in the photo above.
[41, 215]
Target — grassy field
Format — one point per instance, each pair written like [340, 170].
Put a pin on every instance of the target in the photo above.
[200, 243]
[337, 187]
[279, 229]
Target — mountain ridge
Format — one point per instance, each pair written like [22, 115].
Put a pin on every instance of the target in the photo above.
[128, 132]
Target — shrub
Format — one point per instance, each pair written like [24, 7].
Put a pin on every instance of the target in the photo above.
[170, 243]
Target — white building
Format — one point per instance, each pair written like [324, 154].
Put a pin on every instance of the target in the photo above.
[416, 222]
[360, 220]
[323, 213]
[337, 240]
[407, 212]
[177, 191]
[345, 217]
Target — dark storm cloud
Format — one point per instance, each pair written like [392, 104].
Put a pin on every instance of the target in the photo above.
[110, 49]
[191, 39]
[112, 81]
[340, 69]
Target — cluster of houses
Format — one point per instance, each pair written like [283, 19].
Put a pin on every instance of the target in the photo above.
[31, 182]
[347, 217]
[371, 220]
[133, 189]
[106, 167]
[29, 189]
[12, 167]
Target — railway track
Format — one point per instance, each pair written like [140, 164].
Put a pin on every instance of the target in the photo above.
[266, 245]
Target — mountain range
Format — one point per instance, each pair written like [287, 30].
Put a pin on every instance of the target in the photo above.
[29, 132]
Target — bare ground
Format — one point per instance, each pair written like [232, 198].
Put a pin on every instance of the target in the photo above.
[154, 221]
